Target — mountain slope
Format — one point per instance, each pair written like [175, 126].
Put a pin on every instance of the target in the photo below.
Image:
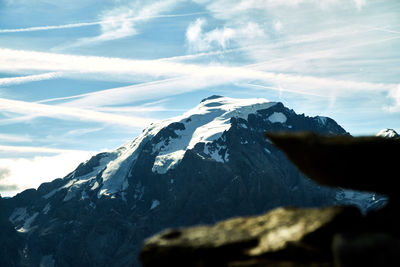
[209, 164]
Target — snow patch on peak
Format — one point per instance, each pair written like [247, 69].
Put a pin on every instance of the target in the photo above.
[18, 214]
[167, 161]
[47, 208]
[215, 152]
[22, 220]
[115, 174]
[203, 124]
[27, 224]
[277, 117]
[155, 204]
[388, 133]
[322, 120]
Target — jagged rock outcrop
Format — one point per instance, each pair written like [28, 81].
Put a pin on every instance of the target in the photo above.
[339, 237]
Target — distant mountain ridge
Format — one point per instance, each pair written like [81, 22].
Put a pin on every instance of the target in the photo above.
[208, 164]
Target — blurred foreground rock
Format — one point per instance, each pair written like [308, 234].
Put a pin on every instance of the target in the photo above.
[331, 236]
[285, 235]
[359, 163]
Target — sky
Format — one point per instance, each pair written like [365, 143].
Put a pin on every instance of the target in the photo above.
[81, 77]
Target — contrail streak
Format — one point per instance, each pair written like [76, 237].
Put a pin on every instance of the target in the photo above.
[87, 24]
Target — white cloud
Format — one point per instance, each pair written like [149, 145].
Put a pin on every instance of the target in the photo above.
[394, 94]
[23, 173]
[121, 22]
[360, 3]
[29, 78]
[33, 149]
[278, 26]
[267, 4]
[65, 113]
[194, 35]
[4, 173]
[320, 38]
[219, 38]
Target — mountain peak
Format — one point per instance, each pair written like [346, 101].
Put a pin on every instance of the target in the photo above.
[201, 131]
[210, 98]
[205, 123]
[388, 133]
[211, 131]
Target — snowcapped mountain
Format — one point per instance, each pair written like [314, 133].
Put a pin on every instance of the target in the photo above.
[208, 164]
[204, 126]
[388, 133]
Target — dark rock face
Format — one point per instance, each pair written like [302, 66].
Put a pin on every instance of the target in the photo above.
[10, 242]
[99, 215]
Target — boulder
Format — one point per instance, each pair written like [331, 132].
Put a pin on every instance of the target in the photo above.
[282, 237]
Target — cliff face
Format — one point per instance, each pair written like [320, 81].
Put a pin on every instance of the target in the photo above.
[209, 164]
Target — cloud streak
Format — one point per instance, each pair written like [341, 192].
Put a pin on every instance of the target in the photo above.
[18, 60]
[29, 78]
[94, 23]
[72, 113]
[53, 27]
[14, 138]
[31, 149]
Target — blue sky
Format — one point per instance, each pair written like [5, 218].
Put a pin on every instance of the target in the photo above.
[80, 77]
